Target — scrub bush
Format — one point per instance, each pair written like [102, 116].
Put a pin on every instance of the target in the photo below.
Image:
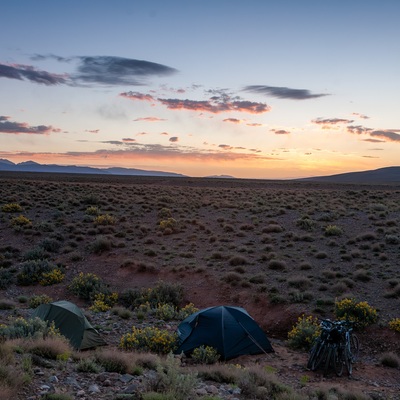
[303, 334]
[362, 314]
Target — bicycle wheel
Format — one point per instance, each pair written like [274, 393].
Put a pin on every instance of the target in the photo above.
[338, 360]
[313, 354]
[328, 360]
[348, 360]
[354, 347]
[319, 357]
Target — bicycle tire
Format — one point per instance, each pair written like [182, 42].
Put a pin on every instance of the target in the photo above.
[328, 360]
[354, 347]
[348, 360]
[313, 354]
[338, 360]
[320, 356]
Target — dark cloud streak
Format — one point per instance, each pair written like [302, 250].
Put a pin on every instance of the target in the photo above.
[283, 92]
[16, 128]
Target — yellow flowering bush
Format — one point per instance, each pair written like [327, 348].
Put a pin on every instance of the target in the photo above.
[104, 302]
[205, 355]
[184, 312]
[21, 221]
[104, 219]
[361, 313]
[86, 286]
[52, 277]
[169, 225]
[166, 311]
[333, 230]
[394, 324]
[150, 339]
[93, 210]
[303, 334]
[11, 208]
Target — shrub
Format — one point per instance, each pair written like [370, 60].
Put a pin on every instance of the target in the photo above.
[238, 260]
[93, 210]
[11, 208]
[149, 339]
[21, 221]
[101, 244]
[362, 314]
[88, 365]
[169, 225]
[22, 328]
[37, 300]
[104, 302]
[173, 383]
[184, 312]
[306, 223]
[391, 360]
[303, 334]
[6, 278]
[333, 230]
[394, 324]
[277, 265]
[50, 245]
[52, 277]
[257, 383]
[104, 219]
[32, 271]
[166, 312]
[53, 347]
[205, 355]
[114, 361]
[86, 286]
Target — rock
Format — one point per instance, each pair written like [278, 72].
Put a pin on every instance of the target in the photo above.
[80, 393]
[201, 392]
[126, 378]
[94, 389]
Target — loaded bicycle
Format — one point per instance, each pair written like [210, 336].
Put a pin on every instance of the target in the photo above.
[337, 346]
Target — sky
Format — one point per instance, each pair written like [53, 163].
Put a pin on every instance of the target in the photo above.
[252, 89]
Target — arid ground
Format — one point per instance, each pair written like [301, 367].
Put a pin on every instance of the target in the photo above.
[277, 248]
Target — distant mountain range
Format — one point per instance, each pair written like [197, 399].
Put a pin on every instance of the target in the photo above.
[31, 166]
[381, 175]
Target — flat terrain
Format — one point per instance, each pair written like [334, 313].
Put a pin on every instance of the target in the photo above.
[277, 248]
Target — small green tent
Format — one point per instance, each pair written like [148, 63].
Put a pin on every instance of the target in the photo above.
[230, 330]
[71, 322]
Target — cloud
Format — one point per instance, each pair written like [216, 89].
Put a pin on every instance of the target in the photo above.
[358, 115]
[109, 70]
[254, 124]
[90, 70]
[173, 139]
[30, 73]
[128, 140]
[387, 135]
[16, 128]
[283, 92]
[92, 130]
[225, 146]
[280, 131]
[149, 119]
[382, 135]
[358, 129]
[218, 103]
[232, 120]
[137, 96]
[331, 121]
[215, 106]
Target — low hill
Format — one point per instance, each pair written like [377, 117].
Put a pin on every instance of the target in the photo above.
[31, 166]
[381, 175]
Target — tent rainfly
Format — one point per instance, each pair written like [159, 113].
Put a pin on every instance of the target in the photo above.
[230, 330]
[71, 322]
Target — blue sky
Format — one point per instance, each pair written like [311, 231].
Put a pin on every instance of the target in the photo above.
[255, 89]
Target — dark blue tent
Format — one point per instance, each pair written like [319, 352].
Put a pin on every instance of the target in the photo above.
[230, 330]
